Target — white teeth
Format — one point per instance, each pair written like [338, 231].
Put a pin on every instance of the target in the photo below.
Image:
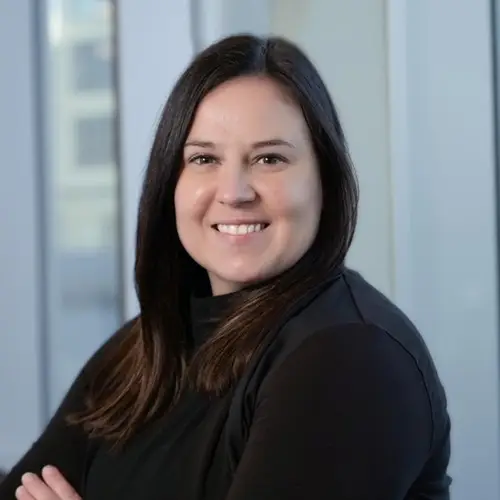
[238, 229]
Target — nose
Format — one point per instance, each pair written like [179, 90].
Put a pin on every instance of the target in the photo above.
[234, 186]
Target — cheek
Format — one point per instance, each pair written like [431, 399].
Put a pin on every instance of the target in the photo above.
[298, 200]
[190, 200]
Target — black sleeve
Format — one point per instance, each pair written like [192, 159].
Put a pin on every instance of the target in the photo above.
[60, 444]
[345, 416]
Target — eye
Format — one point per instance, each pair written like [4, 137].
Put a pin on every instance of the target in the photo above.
[271, 159]
[202, 159]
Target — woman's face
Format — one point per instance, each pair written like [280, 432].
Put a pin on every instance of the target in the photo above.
[248, 199]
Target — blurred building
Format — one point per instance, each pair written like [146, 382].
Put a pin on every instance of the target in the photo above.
[80, 195]
[83, 105]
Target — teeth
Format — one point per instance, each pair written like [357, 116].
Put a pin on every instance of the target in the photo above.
[238, 229]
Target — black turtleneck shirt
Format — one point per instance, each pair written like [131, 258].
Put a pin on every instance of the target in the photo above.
[351, 410]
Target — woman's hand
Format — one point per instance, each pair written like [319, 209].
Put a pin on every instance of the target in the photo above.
[52, 486]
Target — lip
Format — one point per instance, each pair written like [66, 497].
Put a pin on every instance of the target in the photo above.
[264, 224]
[241, 238]
[238, 222]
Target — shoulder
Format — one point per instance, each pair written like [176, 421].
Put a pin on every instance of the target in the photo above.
[364, 352]
[363, 367]
[348, 396]
[347, 371]
[351, 299]
[350, 319]
[351, 311]
[352, 369]
[349, 349]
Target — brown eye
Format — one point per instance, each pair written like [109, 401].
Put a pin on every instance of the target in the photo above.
[271, 159]
[202, 160]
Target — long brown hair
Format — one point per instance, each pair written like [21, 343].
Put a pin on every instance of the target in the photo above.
[145, 372]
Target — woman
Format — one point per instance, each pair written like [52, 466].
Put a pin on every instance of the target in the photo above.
[259, 366]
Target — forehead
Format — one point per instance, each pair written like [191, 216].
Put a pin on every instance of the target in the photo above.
[250, 108]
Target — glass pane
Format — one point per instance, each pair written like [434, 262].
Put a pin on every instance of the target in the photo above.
[92, 65]
[83, 296]
[94, 141]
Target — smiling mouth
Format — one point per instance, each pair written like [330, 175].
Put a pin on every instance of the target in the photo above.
[240, 229]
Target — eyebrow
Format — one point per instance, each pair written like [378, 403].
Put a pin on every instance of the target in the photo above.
[255, 145]
[272, 142]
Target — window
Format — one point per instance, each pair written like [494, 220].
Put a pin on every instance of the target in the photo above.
[82, 287]
[92, 65]
[95, 141]
[86, 11]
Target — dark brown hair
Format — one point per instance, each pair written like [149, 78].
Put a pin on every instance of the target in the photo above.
[144, 373]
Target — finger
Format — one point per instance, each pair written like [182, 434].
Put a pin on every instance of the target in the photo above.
[55, 480]
[23, 494]
[37, 488]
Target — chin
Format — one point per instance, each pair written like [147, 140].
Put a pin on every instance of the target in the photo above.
[227, 282]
